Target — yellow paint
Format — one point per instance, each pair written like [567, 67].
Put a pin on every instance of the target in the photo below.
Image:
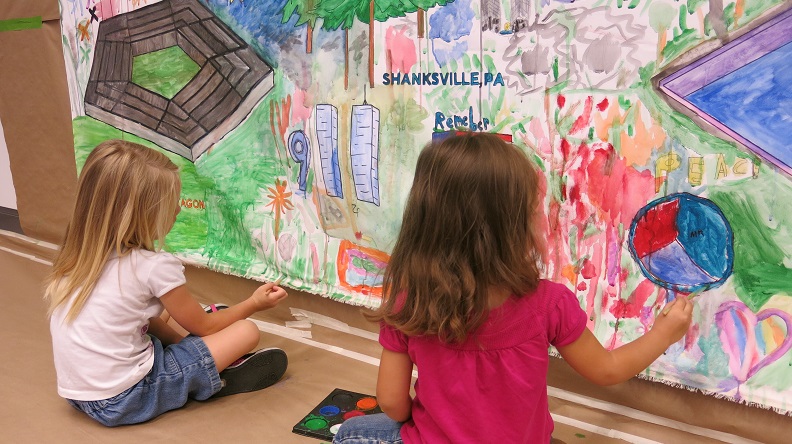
[664, 165]
[740, 167]
[722, 170]
[695, 170]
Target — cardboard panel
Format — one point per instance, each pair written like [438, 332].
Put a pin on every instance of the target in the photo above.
[34, 108]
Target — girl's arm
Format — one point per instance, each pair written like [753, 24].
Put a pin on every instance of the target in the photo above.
[164, 332]
[188, 313]
[600, 366]
[393, 385]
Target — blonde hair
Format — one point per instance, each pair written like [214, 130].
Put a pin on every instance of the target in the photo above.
[471, 224]
[127, 198]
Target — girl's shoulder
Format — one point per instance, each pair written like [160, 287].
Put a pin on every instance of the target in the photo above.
[150, 260]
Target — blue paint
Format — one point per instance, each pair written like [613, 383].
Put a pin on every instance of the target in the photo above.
[327, 138]
[329, 410]
[672, 264]
[741, 333]
[364, 152]
[300, 151]
[702, 230]
[702, 255]
[755, 101]
[452, 21]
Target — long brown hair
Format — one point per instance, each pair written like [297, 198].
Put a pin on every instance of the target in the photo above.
[127, 198]
[470, 225]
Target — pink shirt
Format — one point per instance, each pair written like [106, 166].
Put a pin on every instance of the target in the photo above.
[493, 387]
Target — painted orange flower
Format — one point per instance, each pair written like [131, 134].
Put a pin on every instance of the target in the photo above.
[280, 202]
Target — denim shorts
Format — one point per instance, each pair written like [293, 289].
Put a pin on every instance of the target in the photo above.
[180, 371]
[369, 429]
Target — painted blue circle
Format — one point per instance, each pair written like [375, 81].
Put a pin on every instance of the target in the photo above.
[329, 410]
[701, 254]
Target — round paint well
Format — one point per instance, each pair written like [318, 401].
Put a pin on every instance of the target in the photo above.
[329, 410]
[315, 424]
[352, 414]
[342, 398]
[334, 429]
[366, 403]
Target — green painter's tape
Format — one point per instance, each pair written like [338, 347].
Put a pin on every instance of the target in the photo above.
[20, 24]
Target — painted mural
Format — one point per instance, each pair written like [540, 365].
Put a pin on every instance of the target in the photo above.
[661, 126]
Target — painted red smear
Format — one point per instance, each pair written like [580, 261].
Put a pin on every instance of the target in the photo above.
[560, 101]
[401, 48]
[582, 286]
[656, 229]
[588, 270]
[582, 122]
[106, 9]
[566, 147]
[602, 106]
[691, 336]
[301, 111]
[631, 308]
[619, 191]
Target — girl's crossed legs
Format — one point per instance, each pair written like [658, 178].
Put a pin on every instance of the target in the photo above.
[369, 429]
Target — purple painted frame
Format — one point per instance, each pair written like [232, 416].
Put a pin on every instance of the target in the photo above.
[739, 52]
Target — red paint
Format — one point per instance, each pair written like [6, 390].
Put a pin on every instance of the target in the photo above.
[401, 48]
[561, 100]
[656, 229]
[352, 414]
[588, 270]
[602, 106]
[583, 120]
[581, 286]
[631, 308]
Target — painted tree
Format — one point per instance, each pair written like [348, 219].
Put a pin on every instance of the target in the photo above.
[343, 13]
[306, 13]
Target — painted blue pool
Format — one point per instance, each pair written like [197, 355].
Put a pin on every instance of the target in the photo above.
[755, 101]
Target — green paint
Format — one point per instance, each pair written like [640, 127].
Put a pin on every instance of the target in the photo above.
[165, 72]
[683, 13]
[313, 422]
[760, 228]
[713, 362]
[580, 435]
[728, 15]
[190, 230]
[661, 15]
[681, 43]
[20, 24]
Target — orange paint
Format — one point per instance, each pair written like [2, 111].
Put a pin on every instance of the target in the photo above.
[366, 403]
[637, 150]
[343, 262]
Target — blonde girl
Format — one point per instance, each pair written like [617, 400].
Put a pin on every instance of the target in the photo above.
[465, 304]
[116, 359]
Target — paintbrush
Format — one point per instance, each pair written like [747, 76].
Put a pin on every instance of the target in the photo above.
[690, 297]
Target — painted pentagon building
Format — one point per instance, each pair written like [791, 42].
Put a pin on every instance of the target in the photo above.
[230, 81]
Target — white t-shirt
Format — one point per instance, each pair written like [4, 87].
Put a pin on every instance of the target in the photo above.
[105, 350]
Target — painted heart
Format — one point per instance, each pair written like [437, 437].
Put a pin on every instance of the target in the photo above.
[752, 341]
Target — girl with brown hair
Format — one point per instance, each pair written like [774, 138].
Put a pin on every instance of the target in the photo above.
[465, 304]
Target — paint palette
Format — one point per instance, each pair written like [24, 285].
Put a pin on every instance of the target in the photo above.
[326, 418]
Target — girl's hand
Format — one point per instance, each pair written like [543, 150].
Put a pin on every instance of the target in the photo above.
[675, 319]
[267, 296]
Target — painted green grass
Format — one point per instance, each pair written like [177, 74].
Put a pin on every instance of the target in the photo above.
[165, 72]
[190, 230]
